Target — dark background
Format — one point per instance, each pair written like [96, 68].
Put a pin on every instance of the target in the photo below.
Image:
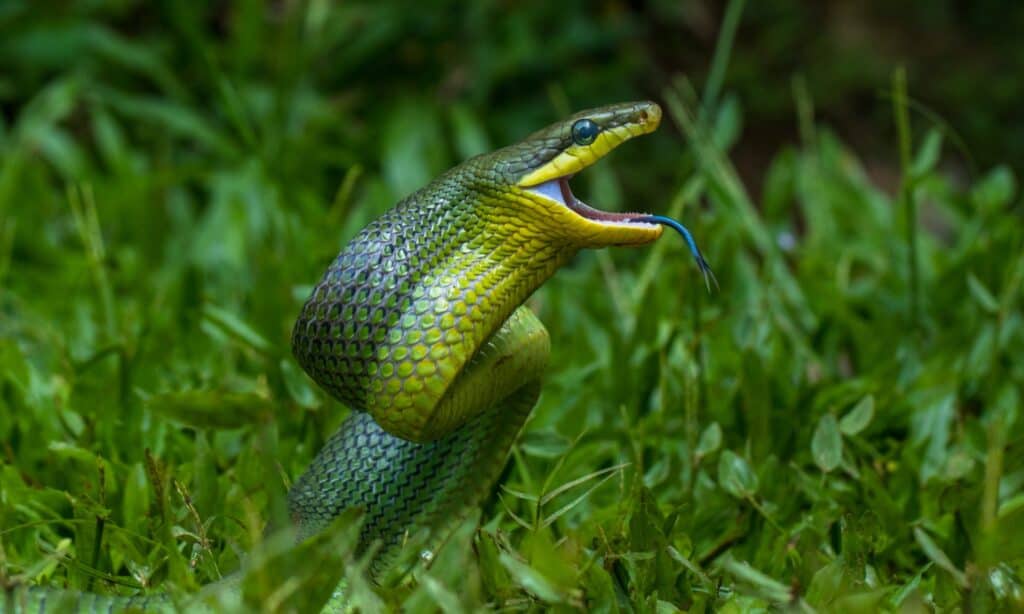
[504, 60]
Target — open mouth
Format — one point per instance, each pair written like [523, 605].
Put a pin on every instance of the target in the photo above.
[558, 190]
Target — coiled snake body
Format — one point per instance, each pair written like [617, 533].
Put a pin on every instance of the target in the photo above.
[419, 326]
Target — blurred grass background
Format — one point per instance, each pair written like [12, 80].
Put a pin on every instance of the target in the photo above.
[837, 429]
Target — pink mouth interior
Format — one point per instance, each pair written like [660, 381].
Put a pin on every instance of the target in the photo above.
[558, 190]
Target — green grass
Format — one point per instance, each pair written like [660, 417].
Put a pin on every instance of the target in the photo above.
[837, 429]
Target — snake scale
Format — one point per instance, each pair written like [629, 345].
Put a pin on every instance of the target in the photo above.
[419, 326]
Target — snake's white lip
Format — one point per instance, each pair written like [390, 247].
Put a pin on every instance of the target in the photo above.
[557, 190]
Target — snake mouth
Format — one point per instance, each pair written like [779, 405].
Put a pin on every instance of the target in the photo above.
[558, 190]
[633, 228]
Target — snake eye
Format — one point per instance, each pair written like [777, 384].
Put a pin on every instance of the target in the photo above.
[584, 131]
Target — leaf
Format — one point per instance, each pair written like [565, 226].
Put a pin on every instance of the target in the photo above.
[172, 118]
[602, 596]
[492, 574]
[995, 190]
[959, 465]
[1011, 506]
[933, 552]
[297, 385]
[728, 123]
[980, 356]
[531, 579]
[212, 409]
[690, 566]
[568, 506]
[236, 328]
[441, 596]
[606, 472]
[710, 440]
[826, 583]
[547, 443]
[136, 501]
[88, 458]
[827, 445]
[665, 607]
[451, 571]
[779, 185]
[928, 154]
[909, 588]
[982, 294]
[646, 537]
[518, 494]
[735, 475]
[858, 418]
[930, 424]
[765, 585]
[860, 602]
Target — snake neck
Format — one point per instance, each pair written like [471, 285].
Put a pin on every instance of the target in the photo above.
[410, 300]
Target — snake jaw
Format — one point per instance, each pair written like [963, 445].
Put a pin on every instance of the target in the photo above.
[558, 190]
[599, 227]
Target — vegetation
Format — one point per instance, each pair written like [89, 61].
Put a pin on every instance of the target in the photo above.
[837, 428]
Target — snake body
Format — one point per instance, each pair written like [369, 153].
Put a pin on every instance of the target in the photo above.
[419, 326]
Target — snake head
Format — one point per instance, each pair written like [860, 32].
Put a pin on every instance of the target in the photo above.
[539, 168]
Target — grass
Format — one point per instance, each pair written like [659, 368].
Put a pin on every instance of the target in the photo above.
[837, 429]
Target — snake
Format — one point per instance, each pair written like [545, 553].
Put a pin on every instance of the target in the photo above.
[419, 327]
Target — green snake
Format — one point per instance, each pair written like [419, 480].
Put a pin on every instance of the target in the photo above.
[419, 326]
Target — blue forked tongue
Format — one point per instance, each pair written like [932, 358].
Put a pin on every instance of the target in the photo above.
[705, 268]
